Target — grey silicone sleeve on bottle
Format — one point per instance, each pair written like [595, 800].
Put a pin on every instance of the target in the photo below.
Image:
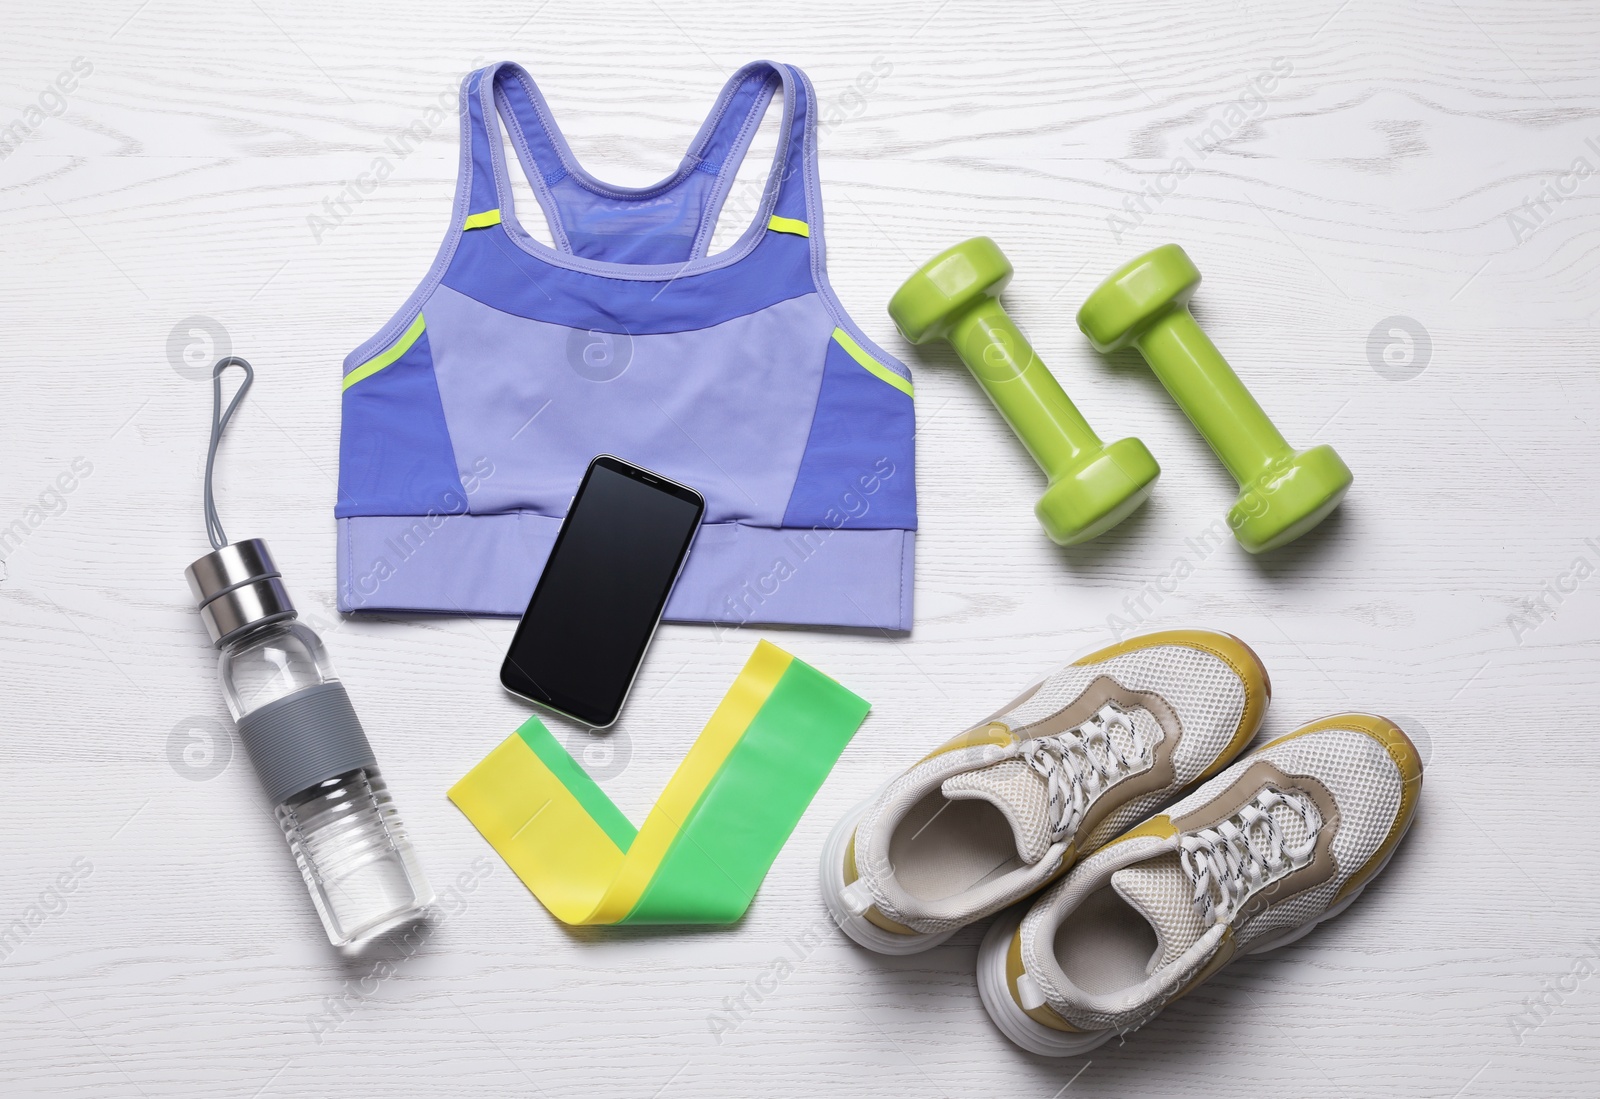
[305, 739]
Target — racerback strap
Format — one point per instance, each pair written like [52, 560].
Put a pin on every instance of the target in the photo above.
[667, 222]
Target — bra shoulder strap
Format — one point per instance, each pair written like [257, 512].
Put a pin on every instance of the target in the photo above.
[724, 141]
[506, 90]
[798, 195]
[672, 221]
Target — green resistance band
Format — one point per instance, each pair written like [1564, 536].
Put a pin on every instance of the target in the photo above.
[713, 833]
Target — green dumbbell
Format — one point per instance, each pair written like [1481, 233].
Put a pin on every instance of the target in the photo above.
[1284, 492]
[1093, 487]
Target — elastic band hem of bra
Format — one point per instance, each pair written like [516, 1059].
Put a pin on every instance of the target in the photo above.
[843, 576]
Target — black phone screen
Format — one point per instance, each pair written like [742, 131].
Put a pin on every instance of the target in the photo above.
[602, 591]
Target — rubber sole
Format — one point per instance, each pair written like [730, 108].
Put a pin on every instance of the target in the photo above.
[860, 929]
[1035, 1037]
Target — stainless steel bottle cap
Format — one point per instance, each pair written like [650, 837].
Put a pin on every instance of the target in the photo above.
[238, 587]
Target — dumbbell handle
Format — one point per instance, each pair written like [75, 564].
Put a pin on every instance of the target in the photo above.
[1205, 386]
[1022, 387]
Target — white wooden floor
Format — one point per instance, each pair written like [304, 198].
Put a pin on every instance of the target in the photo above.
[1400, 247]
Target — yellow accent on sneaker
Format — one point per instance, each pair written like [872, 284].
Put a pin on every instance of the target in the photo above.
[871, 915]
[1044, 1014]
[993, 732]
[1159, 826]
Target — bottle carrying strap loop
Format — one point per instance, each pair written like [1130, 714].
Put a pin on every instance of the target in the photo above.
[219, 422]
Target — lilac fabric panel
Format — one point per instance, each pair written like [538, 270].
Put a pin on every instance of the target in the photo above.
[797, 576]
[726, 410]
[736, 575]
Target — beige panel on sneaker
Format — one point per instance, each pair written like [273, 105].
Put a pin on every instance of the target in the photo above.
[1243, 790]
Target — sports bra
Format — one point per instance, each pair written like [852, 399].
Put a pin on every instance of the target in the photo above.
[468, 420]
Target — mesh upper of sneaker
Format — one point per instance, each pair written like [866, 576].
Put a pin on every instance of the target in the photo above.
[1367, 789]
[1366, 786]
[1203, 691]
[1209, 699]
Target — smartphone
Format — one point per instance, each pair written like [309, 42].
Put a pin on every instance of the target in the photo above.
[600, 598]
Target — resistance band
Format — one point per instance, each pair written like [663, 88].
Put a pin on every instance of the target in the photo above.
[708, 842]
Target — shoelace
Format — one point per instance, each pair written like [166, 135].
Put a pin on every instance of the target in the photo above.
[1245, 852]
[1074, 773]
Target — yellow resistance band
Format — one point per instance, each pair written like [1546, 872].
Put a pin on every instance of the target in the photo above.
[705, 847]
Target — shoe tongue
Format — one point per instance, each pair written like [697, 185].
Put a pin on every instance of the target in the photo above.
[1019, 792]
[1163, 894]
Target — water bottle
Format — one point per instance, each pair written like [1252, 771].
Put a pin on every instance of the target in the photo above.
[308, 747]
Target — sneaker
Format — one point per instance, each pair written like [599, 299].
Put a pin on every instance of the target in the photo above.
[1284, 839]
[1006, 807]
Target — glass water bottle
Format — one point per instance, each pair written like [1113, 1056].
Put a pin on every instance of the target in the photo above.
[308, 748]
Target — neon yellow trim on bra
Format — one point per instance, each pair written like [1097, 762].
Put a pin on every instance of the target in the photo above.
[372, 366]
[873, 366]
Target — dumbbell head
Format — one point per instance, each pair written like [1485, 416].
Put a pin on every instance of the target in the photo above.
[945, 287]
[1137, 293]
[1296, 495]
[1098, 492]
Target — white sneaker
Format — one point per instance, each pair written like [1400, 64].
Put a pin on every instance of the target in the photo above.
[1006, 807]
[1279, 842]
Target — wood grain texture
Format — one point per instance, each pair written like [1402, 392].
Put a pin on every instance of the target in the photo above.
[1381, 176]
